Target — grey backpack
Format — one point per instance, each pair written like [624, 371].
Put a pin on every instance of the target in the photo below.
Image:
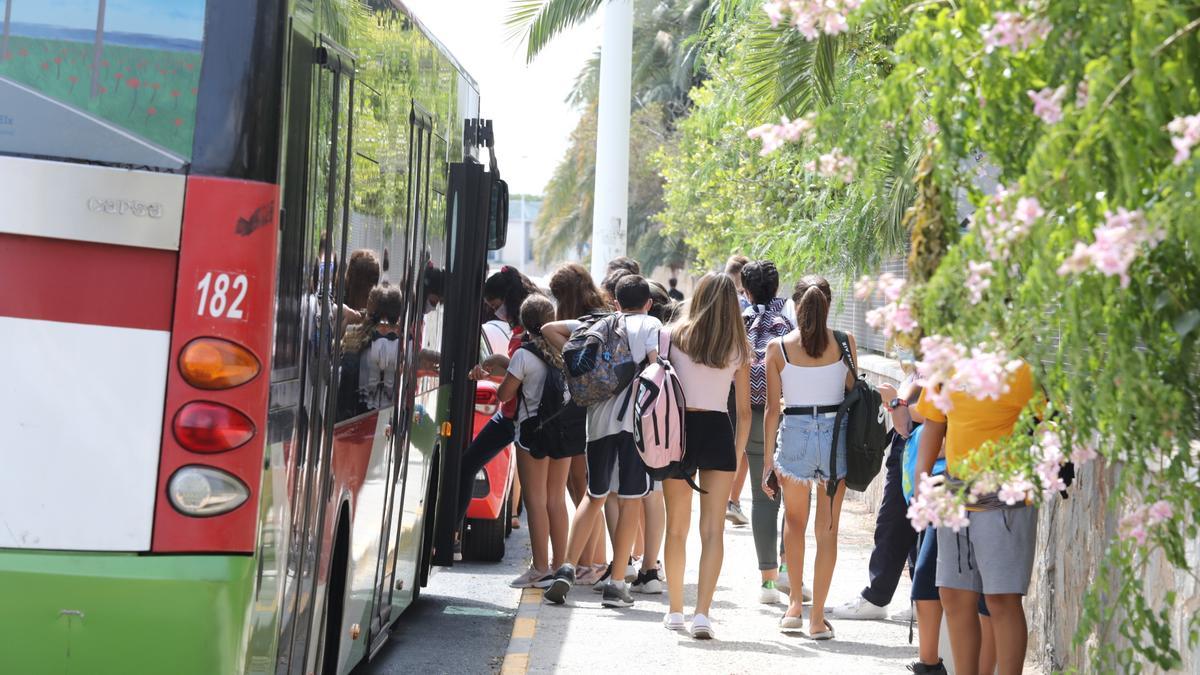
[598, 360]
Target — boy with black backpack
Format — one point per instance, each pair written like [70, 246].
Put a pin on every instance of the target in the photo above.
[602, 356]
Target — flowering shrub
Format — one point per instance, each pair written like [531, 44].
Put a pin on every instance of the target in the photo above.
[1084, 264]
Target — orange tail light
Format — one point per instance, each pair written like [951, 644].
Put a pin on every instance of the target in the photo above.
[213, 363]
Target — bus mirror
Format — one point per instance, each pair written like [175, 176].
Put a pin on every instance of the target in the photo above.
[498, 216]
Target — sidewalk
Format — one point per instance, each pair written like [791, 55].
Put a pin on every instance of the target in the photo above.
[584, 637]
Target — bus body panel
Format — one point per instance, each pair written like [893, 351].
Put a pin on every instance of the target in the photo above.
[262, 612]
[225, 288]
[97, 613]
[99, 204]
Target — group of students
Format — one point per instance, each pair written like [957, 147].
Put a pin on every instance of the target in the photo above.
[763, 378]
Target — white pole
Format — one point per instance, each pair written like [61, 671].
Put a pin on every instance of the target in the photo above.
[610, 210]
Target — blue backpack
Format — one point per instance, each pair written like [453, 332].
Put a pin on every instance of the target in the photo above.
[908, 472]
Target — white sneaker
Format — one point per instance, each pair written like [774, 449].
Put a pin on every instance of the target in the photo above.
[782, 582]
[532, 579]
[860, 609]
[701, 627]
[768, 594]
[905, 615]
[674, 621]
[733, 513]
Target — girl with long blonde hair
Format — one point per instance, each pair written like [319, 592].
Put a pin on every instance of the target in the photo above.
[709, 350]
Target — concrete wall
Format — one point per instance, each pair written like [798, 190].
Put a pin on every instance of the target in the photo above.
[1073, 535]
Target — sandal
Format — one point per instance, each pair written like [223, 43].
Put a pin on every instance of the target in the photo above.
[826, 634]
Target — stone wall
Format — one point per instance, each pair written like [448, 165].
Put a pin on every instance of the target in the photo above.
[1073, 535]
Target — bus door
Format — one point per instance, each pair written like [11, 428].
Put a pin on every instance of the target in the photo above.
[420, 131]
[327, 209]
[475, 200]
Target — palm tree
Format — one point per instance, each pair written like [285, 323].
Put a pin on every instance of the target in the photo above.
[98, 52]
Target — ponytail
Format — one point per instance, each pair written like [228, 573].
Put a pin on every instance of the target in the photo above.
[812, 298]
[537, 311]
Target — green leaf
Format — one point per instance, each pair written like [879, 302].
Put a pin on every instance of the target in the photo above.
[1187, 322]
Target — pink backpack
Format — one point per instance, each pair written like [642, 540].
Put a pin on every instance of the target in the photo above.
[658, 407]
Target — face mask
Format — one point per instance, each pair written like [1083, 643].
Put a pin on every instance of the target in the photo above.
[502, 313]
[429, 305]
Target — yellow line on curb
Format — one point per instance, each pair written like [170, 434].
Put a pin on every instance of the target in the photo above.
[515, 664]
[516, 657]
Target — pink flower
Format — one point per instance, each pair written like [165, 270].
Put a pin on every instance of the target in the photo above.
[1186, 134]
[1048, 474]
[864, 288]
[774, 11]
[1117, 245]
[1047, 103]
[1028, 210]
[978, 279]
[811, 18]
[773, 136]
[903, 320]
[1084, 453]
[933, 504]
[1132, 526]
[1016, 489]
[1158, 512]
[891, 286]
[1012, 31]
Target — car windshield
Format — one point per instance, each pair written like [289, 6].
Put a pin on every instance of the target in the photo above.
[111, 82]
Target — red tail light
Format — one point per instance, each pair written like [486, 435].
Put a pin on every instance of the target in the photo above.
[486, 401]
[202, 426]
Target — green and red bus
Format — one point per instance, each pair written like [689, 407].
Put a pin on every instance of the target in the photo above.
[182, 185]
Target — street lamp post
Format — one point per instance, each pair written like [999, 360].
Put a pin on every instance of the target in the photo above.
[610, 207]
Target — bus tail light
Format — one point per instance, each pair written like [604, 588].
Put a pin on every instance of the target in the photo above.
[203, 426]
[486, 401]
[205, 491]
[213, 363]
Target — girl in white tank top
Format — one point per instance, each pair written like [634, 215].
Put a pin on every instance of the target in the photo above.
[808, 370]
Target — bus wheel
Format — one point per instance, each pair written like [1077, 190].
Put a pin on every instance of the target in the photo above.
[485, 540]
[335, 595]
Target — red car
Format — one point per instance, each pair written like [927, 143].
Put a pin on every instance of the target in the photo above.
[488, 518]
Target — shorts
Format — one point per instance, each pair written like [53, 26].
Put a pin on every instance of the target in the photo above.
[993, 555]
[710, 444]
[614, 465]
[923, 581]
[802, 453]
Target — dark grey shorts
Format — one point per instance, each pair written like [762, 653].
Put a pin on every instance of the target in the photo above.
[993, 555]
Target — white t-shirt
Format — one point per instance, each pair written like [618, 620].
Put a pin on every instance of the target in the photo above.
[531, 371]
[602, 421]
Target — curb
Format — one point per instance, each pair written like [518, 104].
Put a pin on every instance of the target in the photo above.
[516, 657]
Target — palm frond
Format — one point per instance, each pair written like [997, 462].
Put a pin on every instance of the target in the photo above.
[536, 22]
[787, 73]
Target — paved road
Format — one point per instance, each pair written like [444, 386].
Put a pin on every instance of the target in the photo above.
[462, 622]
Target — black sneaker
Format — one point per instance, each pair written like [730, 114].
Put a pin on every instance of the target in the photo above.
[564, 579]
[922, 669]
[617, 597]
[598, 587]
[648, 582]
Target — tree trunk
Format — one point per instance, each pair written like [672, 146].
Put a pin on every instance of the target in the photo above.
[98, 53]
[7, 19]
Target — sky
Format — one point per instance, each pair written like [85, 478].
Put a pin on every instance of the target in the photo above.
[182, 18]
[532, 122]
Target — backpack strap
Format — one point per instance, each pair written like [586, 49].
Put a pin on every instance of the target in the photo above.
[844, 346]
[843, 410]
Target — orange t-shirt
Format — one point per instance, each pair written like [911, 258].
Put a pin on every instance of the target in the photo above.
[973, 422]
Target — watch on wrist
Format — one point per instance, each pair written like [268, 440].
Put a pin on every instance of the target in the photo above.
[897, 403]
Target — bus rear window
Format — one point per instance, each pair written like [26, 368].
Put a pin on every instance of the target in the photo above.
[111, 81]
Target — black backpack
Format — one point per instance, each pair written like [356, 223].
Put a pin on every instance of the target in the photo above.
[550, 430]
[867, 435]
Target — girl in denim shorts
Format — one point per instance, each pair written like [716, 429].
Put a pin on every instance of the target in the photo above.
[806, 369]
